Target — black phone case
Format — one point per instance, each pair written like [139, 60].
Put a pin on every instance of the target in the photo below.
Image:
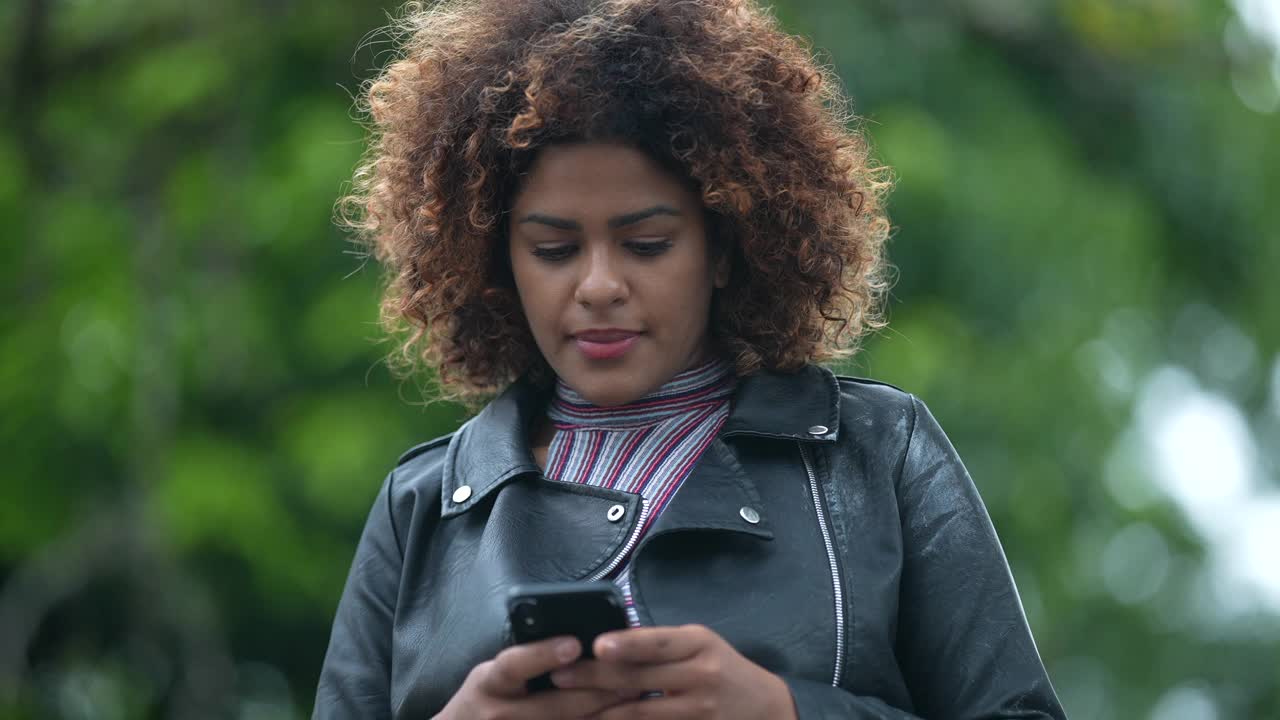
[584, 610]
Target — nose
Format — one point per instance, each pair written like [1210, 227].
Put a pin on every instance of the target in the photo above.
[602, 282]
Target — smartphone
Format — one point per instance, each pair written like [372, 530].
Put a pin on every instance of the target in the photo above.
[538, 611]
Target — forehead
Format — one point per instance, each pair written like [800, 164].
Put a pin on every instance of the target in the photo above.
[577, 180]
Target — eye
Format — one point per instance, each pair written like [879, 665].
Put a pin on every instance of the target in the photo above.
[648, 248]
[554, 253]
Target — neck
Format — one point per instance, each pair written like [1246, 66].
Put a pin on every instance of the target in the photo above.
[708, 383]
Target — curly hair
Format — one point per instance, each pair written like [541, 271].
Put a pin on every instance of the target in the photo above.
[713, 90]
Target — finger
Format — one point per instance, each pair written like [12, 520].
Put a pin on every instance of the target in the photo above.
[654, 644]
[566, 703]
[698, 672]
[508, 672]
[667, 707]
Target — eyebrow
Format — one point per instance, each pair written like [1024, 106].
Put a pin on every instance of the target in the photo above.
[614, 222]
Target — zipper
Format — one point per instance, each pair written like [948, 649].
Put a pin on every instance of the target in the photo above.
[836, 585]
[631, 543]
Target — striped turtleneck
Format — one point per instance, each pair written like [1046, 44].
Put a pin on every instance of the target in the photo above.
[647, 447]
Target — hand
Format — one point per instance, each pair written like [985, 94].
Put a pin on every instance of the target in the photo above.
[495, 690]
[699, 673]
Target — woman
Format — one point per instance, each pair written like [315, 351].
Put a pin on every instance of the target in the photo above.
[641, 222]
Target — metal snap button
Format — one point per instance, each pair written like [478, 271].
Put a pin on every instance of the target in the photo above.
[750, 515]
[462, 493]
[818, 430]
[615, 513]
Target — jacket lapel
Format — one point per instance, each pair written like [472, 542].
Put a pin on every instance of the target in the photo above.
[717, 495]
[491, 450]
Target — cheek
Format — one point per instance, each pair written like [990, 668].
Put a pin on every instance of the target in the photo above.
[684, 296]
[546, 300]
[534, 294]
[538, 306]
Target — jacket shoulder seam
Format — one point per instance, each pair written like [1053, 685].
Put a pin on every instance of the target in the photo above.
[391, 514]
[421, 448]
[394, 478]
[873, 393]
[869, 381]
[911, 436]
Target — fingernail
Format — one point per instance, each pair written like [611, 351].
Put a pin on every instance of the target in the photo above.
[562, 678]
[608, 644]
[566, 650]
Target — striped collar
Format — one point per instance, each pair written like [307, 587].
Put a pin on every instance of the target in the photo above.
[708, 384]
[491, 449]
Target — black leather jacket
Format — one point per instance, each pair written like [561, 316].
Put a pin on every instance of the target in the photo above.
[872, 581]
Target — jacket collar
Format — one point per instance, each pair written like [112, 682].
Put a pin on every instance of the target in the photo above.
[492, 448]
[803, 405]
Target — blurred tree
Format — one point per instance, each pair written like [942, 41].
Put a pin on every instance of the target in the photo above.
[196, 415]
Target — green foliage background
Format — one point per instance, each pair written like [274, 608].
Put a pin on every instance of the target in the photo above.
[195, 414]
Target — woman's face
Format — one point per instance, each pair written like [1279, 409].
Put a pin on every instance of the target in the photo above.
[613, 268]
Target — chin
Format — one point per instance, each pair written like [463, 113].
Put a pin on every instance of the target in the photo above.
[607, 389]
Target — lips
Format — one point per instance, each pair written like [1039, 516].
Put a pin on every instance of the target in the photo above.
[605, 344]
[605, 336]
